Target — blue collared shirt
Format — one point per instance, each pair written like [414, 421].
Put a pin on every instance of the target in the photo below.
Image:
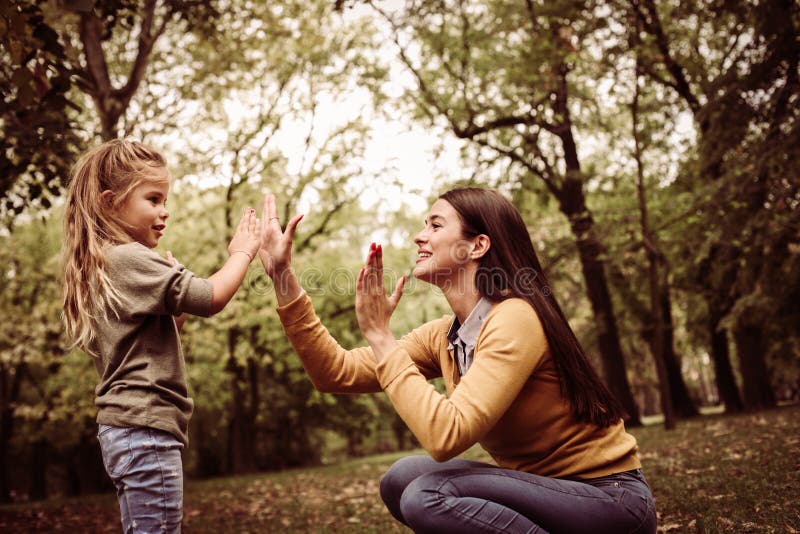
[462, 338]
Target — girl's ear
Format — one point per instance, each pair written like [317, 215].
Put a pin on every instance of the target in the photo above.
[480, 246]
[107, 198]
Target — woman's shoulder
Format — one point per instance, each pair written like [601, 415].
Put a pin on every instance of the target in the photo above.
[514, 322]
[515, 311]
[513, 306]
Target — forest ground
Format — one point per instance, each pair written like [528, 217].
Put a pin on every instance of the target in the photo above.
[714, 473]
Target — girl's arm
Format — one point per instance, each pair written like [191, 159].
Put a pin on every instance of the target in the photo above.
[180, 319]
[242, 249]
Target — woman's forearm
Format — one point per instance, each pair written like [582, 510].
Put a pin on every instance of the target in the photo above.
[287, 287]
[382, 343]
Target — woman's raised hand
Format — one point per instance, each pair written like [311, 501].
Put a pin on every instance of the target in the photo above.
[276, 244]
[373, 307]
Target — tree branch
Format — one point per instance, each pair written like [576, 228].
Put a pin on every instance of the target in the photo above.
[652, 23]
[147, 39]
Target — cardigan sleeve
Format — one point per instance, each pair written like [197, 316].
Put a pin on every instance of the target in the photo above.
[510, 345]
[333, 369]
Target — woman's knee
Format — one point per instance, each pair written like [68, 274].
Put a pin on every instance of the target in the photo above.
[395, 481]
[401, 473]
[420, 500]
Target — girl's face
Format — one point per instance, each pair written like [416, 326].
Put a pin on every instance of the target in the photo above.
[443, 251]
[144, 212]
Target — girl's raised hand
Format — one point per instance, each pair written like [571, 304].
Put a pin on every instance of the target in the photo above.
[247, 237]
[276, 244]
[373, 307]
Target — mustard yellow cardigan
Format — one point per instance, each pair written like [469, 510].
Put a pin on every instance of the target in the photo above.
[509, 401]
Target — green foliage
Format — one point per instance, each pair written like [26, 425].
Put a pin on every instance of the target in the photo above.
[35, 110]
[741, 222]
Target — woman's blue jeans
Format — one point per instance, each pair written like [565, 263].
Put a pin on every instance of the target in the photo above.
[145, 466]
[462, 496]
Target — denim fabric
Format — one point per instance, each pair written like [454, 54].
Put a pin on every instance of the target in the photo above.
[145, 466]
[462, 496]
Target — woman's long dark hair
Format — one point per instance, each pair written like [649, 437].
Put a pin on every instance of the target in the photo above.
[511, 269]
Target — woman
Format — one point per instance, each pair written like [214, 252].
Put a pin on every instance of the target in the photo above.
[517, 382]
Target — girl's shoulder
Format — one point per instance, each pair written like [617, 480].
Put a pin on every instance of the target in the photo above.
[134, 256]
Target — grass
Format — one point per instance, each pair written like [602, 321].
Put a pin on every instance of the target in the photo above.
[712, 474]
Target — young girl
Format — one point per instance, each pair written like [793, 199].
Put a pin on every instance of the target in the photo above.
[517, 380]
[124, 305]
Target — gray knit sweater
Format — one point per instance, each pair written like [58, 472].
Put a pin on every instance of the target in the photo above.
[138, 350]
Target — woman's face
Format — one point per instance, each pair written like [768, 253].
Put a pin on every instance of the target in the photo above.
[443, 252]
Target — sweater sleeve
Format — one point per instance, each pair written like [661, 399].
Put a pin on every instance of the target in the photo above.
[151, 285]
[334, 369]
[509, 347]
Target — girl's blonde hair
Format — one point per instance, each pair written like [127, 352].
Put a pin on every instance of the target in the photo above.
[91, 225]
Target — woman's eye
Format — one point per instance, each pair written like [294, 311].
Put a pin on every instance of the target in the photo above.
[436, 225]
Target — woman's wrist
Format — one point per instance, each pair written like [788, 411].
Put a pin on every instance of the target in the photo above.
[287, 287]
[381, 342]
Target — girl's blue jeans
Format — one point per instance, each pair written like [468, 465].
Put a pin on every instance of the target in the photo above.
[462, 496]
[145, 466]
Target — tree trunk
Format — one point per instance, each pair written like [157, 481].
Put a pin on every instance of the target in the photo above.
[38, 490]
[720, 355]
[238, 459]
[110, 101]
[9, 393]
[758, 393]
[589, 249]
[726, 383]
[251, 435]
[656, 280]
[6, 426]
[572, 203]
[400, 431]
[659, 337]
[682, 402]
